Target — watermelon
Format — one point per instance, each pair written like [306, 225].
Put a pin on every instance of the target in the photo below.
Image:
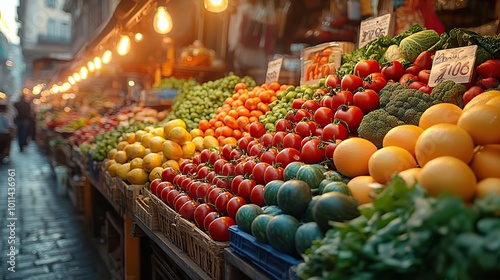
[290, 171]
[293, 197]
[258, 227]
[323, 184]
[310, 174]
[246, 214]
[280, 232]
[308, 217]
[337, 187]
[305, 235]
[334, 206]
[333, 176]
[273, 210]
[271, 191]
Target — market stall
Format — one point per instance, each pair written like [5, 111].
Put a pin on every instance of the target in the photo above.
[380, 160]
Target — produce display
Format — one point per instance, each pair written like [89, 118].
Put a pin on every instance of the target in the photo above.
[368, 174]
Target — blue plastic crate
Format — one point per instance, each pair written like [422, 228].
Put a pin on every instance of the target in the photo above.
[277, 264]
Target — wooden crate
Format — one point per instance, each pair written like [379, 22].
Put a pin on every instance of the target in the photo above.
[146, 212]
[76, 193]
[128, 194]
[202, 249]
[167, 221]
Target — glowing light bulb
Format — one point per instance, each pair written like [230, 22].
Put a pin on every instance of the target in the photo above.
[162, 21]
[77, 77]
[91, 66]
[138, 37]
[97, 62]
[106, 56]
[215, 6]
[71, 80]
[84, 73]
[123, 46]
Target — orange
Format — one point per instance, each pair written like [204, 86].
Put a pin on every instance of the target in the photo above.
[196, 132]
[120, 157]
[384, 163]
[486, 162]
[361, 188]
[444, 139]
[482, 122]
[351, 156]
[121, 145]
[410, 176]
[448, 174]
[171, 124]
[151, 161]
[440, 113]
[404, 136]
[495, 101]
[156, 143]
[179, 135]
[487, 187]
[482, 98]
[172, 150]
[136, 151]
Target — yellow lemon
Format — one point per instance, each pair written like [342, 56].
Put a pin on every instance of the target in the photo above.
[136, 163]
[113, 168]
[137, 176]
[210, 141]
[172, 150]
[188, 149]
[171, 163]
[123, 170]
[198, 143]
[136, 151]
[120, 157]
[167, 127]
[151, 161]
[145, 139]
[155, 173]
[156, 144]
[121, 145]
[179, 135]
[111, 153]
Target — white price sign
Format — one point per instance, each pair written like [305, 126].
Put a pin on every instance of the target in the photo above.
[371, 29]
[453, 64]
[273, 70]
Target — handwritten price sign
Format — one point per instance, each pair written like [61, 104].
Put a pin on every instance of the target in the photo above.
[273, 70]
[371, 29]
[453, 64]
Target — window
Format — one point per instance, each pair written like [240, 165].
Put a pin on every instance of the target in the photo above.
[51, 28]
[50, 3]
[65, 32]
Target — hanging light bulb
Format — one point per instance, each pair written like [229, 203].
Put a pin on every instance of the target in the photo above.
[71, 80]
[66, 86]
[106, 57]
[215, 6]
[76, 76]
[162, 21]
[97, 62]
[91, 66]
[138, 37]
[123, 46]
[84, 73]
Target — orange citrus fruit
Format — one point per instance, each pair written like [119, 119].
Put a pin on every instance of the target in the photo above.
[410, 176]
[361, 188]
[486, 162]
[351, 156]
[120, 157]
[444, 140]
[487, 187]
[495, 101]
[404, 136]
[384, 163]
[481, 99]
[482, 122]
[448, 174]
[440, 113]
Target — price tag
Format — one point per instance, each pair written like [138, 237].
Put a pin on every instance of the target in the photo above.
[371, 29]
[273, 70]
[453, 64]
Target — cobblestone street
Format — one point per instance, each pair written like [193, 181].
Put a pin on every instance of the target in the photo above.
[50, 237]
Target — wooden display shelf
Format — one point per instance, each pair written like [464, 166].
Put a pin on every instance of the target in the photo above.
[241, 269]
[178, 256]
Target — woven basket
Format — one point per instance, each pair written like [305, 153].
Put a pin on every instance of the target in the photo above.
[167, 221]
[128, 194]
[202, 249]
[146, 212]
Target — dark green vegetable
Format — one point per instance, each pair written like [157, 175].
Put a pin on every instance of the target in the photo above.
[386, 93]
[439, 45]
[375, 126]
[408, 105]
[448, 92]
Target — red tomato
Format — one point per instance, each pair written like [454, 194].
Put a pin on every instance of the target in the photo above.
[233, 205]
[305, 128]
[171, 197]
[297, 103]
[257, 129]
[219, 228]
[228, 169]
[332, 81]
[210, 217]
[267, 140]
[242, 143]
[185, 183]
[375, 81]
[163, 193]
[204, 155]
[336, 99]
[257, 195]
[489, 69]
[299, 115]
[414, 69]
[214, 156]
[255, 150]
[367, 100]
[393, 71]
[335, 130]
[471, 93]
[248, 167]
[288, 155]
[222, 200]
[273, 173]
[292, 140]
[235, 182]
[426, 89]
[487, 83]
[407, 79]
[283, 125]
[423, 76]
[154, 184]
[351, 115]
[201, 190]
[189, 168]
[424, 60]
[310, 105]
[187, 209]
[258, 172]
[235, 154]
[201, 212]
[212, 194]
[323, 116]
[312, 152]
[269, 156]
[179, 200]
[278, 139]
[416, 85]
[365, 67]
[245, 188]
[218, 165]
[168, 174]
[351, 82]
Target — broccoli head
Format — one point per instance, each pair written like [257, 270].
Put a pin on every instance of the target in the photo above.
[408, 105]
[386, 93]
[375, 126]
[448, 92]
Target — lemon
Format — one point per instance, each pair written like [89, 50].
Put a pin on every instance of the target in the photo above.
[152, 160]
[155, 173]
[120, 157]
[137, 176]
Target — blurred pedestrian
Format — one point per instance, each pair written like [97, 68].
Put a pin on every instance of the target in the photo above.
[6, 131]
[23, 121]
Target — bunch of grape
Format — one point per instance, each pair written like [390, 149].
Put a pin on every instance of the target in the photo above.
[201, 101]
[175, 83]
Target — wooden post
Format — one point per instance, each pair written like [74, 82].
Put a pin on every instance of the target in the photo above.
[87, 202]
[132, 252]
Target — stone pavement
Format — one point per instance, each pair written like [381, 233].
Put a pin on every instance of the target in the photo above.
[50, 237]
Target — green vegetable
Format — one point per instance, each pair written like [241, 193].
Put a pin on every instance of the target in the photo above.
[386, 93]
[488, 47]
[412, 30]
[411, 46]
[439, 44]
[375, 126]
[408, 105]
[392, 53]
[448, 92]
